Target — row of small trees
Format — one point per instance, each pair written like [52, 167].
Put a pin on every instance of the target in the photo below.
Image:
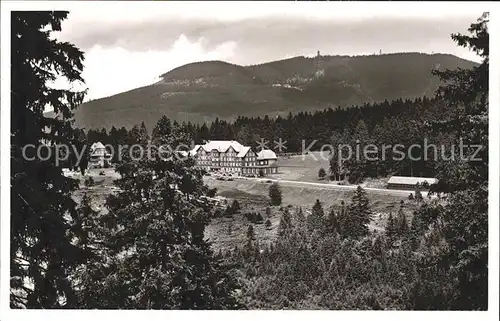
[319, 261]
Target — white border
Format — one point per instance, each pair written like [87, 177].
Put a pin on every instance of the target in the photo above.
[376, 8]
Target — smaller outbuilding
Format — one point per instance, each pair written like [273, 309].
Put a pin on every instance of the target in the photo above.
[99, 156]
[410, 183]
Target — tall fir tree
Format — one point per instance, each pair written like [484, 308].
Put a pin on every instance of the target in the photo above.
[162, 260]
[331, 223]
[390, 228]
[315, 221]
[321, 173]
[402, 223]
[250, 234]
[416, 231]
[42, 248]
[464, 218]
[94, 234]
[359, 215]
[285, 225]
[300, 218]
[418, 195]
[275, 194]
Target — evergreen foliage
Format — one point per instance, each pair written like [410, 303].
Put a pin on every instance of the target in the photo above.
[275, 194]
[43, 226]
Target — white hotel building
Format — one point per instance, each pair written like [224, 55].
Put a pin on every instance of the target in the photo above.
[233, 158]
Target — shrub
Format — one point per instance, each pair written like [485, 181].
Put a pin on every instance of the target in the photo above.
[212, 192]
[321, 173]
[275, 194]
[229, 211]
[89, 181]
[235, 206]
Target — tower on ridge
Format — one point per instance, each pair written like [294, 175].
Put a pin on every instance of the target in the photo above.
[319, 61]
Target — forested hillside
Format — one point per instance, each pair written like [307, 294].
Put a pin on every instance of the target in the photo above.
[203, 91]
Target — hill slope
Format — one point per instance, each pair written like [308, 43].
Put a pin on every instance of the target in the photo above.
[205, 90]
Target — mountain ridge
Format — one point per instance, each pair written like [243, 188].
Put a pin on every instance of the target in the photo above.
[202, 91]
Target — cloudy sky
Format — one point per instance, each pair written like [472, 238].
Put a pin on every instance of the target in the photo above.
[129, 44]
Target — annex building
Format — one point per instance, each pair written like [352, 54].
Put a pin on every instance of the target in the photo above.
[231, 157]
[410, 183]
[99, 156]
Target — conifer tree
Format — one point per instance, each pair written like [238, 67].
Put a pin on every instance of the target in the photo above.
[275, 194]
[235, 206]
[361, 133]
[358, 215]
[228, 212]
[138, 136]
[335, 169]
[169, 135]
[315, 221]
[416, 230]
[465, 216]
[341, 218]
[143, 133]
[250, 233]
[43, 251]
[321, 173]
[300, 217]
[331, 224]
[162, 258]
[390, 228]
[95, 234]
[401, 221]
[418, 194]
[268, 211]
[285, 226]
[162, 129]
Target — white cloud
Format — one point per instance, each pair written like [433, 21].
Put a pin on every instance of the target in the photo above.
[110, 71]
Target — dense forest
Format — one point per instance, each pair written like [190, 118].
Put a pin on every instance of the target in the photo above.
[204, 91]
[148, 250]
[389, 123]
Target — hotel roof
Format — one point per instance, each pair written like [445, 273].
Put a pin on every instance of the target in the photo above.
[97, 145]
[266, 154]
[222, 145]
[243, 151]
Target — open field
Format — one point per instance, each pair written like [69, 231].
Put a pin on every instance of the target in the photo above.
[302, 167]
[227, 232]
[252, 194]
[305, 168]
[102, 187]
[300, 194]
